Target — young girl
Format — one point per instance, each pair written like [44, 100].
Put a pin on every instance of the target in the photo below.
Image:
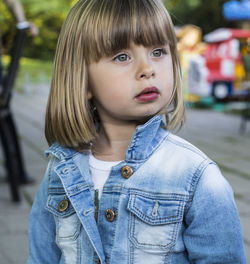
[120, 187]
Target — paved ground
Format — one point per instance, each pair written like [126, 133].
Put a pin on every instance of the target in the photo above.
[217, 134]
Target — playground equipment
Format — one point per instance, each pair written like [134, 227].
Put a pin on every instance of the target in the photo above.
[223, 70]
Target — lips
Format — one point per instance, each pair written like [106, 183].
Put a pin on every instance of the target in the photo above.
[148, 94]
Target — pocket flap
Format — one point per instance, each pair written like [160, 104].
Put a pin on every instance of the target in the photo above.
[59, 205]
[156, 210]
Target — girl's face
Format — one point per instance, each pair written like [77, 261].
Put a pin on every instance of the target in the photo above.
[134, 84]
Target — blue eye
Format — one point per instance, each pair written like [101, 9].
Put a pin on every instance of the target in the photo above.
[157, 52]
[121, 57]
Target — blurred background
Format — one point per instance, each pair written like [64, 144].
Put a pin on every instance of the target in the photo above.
[214, 47]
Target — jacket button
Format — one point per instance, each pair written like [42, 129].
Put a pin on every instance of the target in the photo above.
[110, 215]
[63, 205]
[126, 172]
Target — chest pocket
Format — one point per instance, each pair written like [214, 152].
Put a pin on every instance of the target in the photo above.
[154, 222]
[68, 227]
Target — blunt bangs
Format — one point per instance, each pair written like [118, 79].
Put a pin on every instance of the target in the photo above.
[113, 25]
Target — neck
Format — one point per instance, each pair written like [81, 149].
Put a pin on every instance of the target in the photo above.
[113, 140]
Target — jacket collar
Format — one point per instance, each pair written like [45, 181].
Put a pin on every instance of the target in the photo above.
[146, 139]
[60, 152]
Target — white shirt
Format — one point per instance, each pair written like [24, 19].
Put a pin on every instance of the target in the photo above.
[100, 171]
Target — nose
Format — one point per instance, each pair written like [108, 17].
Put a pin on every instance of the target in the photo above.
[145, 71]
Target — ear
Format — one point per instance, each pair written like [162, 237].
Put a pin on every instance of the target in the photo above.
[89, 95]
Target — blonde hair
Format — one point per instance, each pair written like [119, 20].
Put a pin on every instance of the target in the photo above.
[94, 29]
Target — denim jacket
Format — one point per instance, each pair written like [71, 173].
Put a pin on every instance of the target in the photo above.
[167, 202]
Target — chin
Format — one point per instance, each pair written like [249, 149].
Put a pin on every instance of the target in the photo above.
[152, 112]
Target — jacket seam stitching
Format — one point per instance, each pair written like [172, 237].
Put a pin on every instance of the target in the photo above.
[195, 180]
[189, 147]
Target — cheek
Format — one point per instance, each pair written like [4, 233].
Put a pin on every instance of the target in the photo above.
[168, 81]
[111, 94]
[171, 83]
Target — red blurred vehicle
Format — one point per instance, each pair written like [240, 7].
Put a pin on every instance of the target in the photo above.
[224, 66]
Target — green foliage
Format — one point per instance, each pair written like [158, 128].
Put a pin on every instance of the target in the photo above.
[48, 16]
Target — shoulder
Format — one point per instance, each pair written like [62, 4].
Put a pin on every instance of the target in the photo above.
[210, 173]
[212, 181]
[55, 154]
[182, 154]
[59, 156]
[203, 174]
[185, 146]
[50, 179]
[206, 173]
[60, 152]
[178, 162]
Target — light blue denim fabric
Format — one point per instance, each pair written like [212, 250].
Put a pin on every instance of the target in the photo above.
[176, 208]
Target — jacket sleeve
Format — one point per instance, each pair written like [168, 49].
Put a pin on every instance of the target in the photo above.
[213, 232]
[42, 229]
